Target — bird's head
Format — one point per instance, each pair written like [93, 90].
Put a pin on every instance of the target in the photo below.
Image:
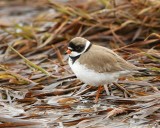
[78, 46]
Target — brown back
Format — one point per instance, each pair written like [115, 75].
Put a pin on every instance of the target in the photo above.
[102, 60]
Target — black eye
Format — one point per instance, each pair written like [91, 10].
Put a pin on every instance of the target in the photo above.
[76, 47]
[79, 48]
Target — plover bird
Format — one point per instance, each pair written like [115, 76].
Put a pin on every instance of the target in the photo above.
[96, 65]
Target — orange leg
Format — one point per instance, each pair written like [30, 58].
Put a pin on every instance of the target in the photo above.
[100, 88]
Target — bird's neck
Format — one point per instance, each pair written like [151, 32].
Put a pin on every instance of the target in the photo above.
[74, 58]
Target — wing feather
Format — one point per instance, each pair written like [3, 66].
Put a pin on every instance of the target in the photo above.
[102, 59]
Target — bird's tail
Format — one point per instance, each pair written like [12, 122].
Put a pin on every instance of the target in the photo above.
[144, 72]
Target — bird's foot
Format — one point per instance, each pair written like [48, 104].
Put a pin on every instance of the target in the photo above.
[100, 88]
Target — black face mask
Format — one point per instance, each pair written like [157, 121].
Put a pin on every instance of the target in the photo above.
[78, 49]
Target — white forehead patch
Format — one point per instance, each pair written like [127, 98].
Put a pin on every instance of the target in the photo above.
[74, 53]
[70, 48]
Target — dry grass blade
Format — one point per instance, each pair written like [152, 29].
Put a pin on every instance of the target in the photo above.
[153, 34]
[59, 55]
[54, 34]
[11, 122]
[116, 111]
[30, 63]
[21, 79]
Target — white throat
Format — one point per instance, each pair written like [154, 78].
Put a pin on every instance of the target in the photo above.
[74, 54]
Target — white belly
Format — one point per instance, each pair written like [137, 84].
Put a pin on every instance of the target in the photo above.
[91, 77]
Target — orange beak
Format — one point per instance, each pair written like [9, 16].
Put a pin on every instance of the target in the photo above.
[68, 51]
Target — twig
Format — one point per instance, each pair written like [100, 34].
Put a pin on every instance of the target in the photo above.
[121, 88]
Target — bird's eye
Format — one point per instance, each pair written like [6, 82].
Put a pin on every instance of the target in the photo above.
[79, 48]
